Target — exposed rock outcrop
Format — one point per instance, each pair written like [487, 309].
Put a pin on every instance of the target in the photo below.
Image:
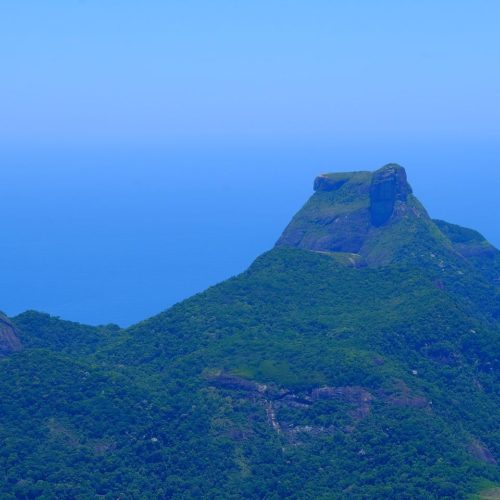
[352, 394]
[389, 185]
[349, 212]
[402, 396]
[229, 381]
[287, 409]
[9, 341]
[358, 396]
[372, 219]
[330, 182]
[358, 402]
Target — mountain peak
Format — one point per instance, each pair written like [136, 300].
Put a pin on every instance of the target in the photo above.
[353, 211]
[387, 185]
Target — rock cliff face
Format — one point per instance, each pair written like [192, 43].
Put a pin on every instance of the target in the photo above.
[351, 213]
[9, 342]
[388, 186]
[287, 409]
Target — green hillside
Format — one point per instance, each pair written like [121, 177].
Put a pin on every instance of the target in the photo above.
[359, 358]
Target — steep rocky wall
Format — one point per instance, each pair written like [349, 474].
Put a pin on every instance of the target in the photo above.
[389, 184]
[346, 208]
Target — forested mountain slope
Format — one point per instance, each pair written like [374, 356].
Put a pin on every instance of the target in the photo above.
[356, 359]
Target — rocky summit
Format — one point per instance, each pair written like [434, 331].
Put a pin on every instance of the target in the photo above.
[358, 358]
[352, 212]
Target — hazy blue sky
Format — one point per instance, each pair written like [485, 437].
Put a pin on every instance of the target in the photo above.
[149, 149]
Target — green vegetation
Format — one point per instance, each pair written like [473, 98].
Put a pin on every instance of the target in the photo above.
[311, 375]
[42, 331]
